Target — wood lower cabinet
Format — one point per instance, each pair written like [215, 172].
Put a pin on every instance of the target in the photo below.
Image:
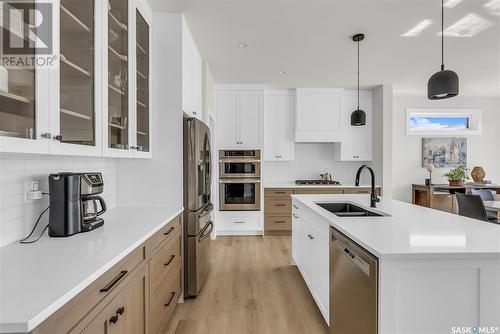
[126, 313]
[278, 205]
[138, 295]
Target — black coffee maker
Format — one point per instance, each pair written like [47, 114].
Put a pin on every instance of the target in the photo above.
[74, 203]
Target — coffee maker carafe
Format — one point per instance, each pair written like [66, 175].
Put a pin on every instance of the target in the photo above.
[74, 203]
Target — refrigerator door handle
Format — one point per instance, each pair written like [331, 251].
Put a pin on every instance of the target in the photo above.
[206, 235]
[208, 209]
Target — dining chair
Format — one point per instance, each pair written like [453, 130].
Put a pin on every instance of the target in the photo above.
[486, 195]
[472, 206]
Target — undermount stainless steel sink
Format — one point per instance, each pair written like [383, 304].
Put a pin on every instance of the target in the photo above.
[349, 210]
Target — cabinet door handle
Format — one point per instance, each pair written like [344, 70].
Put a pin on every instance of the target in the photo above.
[172, 257]
[121, 310]
[295, 207]
[114, 281]
[239, 222]
[172, 294]
[113, 319]
[310, 237]
[169, 230]
[294, 215]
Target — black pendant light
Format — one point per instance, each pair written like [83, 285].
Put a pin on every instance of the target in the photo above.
[442, 84]
[358, 117]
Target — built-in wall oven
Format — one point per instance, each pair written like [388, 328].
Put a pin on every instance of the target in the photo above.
[239, 163]
[239, 180]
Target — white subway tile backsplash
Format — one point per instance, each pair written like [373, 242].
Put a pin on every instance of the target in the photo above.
[18, 214]
[310, 161]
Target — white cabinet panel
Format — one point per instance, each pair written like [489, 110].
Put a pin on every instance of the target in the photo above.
[191, 74]
[227, 118]
[239, 118]
[318, 115]
[286, 143]
[358, 142]
[278, 125]
[250, 119]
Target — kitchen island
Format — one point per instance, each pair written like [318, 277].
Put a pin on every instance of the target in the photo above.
[436, 271]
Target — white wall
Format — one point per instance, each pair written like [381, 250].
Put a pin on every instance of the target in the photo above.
[483, 150]
[159, 182]
[17, 214]
[310, 161]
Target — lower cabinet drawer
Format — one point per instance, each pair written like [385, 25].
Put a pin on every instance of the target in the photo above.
[166, 260]
[277, 205]
[79, 307]
[164, 233]
[126, 313]
[280, 223]
[164, 300]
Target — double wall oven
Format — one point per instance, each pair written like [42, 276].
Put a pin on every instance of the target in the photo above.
[239, 180]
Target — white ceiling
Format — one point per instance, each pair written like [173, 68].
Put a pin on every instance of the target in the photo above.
[311, 41]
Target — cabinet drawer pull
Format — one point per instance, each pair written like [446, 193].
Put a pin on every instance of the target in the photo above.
[280, 192]
[113, 319]
[279, 204]
[280, 221]
[172, 294]
[169, 230]
[121, 310]
[114, 281]
[239, 222]
[170, 261]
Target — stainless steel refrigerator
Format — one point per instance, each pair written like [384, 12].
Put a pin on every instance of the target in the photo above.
[198, 223]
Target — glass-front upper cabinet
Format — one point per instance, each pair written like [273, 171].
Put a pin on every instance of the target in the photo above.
[143, 83]
[77, 74]
[21, 128]
[118, 115]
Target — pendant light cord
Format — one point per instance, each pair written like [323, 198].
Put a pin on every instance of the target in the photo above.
[358, 75]
[442, 35]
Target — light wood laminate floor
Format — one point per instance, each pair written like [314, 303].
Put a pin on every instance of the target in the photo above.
[252, 288]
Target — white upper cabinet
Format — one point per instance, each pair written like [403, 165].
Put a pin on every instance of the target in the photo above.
[318, 115]
[278, 125]
[95, 102]
[358, 142]
[75, 106]
[239, 118]
[191, 74]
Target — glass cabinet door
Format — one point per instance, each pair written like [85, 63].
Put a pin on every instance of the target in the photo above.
[17, 84]
[143, 103]
[118, 108]
[77, 115]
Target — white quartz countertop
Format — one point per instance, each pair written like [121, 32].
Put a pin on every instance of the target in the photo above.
[37, 279]
[411, 231]
[294, 185]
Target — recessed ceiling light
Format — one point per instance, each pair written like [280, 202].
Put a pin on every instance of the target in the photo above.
[242, 45]
[282, 72]
[417, 30]
[452, 3]
[468, 26]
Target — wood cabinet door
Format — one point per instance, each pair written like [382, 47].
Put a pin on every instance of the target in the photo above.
[227, 118]
[126, 313]
[250, 119]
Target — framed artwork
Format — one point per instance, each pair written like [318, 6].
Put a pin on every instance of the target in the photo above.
[444, 152]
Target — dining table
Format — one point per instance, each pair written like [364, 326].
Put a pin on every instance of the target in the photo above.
[493, 206]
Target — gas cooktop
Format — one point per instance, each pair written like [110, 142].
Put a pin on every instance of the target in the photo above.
[316, 182]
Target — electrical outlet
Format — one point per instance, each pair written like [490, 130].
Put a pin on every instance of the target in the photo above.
[32, 191]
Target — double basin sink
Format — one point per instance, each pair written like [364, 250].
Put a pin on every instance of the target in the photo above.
[349, 210]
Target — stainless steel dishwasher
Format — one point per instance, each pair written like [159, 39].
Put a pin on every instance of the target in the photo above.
[353, 287]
